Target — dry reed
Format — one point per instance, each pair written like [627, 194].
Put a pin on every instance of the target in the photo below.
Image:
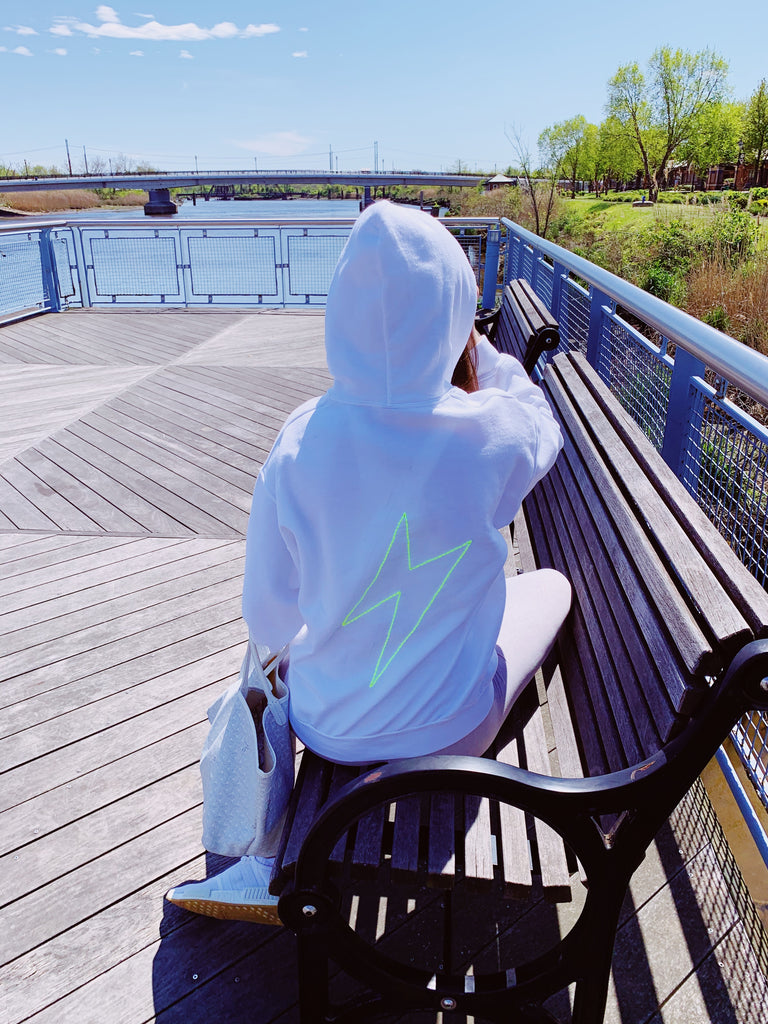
[733, 300]
[58, 201]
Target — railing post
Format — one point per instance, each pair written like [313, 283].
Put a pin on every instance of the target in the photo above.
[514, 251]
[597, 302]
[677, 426]
[559, 273]
[49, 273]
[82, 267]
[491, 272]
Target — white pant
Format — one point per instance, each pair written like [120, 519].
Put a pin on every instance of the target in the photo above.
[536, 607]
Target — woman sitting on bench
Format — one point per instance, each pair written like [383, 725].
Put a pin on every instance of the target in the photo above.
[373, 545]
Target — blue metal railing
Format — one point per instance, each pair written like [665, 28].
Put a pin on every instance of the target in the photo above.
[698, 395]
[173, 262]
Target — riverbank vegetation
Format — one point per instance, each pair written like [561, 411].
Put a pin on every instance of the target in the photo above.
[710, 260]
[59, 201]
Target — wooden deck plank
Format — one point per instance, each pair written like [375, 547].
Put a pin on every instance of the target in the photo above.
[92, 702]
[164, 561]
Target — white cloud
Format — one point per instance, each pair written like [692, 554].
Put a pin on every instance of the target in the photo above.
[111, 27]
[186, 55]
[277, 144]
[299, 53]
[259, 30]
[22, 51]
[136, 53]
[22, 30]
[303, 30]
[60, 51]
[140, 15]
[107, 14]
[225, 30]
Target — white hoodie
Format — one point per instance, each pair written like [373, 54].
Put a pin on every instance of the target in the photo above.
[373, 543]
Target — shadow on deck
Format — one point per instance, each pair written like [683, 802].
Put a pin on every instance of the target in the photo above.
[128, 452]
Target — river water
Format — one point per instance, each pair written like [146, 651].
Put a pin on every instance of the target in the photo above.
[243, 209]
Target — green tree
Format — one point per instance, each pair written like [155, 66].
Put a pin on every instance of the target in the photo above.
[617, 155]
[715, 137]
[563, 148]
[756, 130]
[661, 113]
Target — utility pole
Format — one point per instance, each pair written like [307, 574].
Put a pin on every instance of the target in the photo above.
[69, 159]
[195, 165]
[255, 164]
[330, 159]
[85, 160]
[376, 157]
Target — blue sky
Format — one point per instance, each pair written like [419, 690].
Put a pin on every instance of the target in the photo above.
[281, 83]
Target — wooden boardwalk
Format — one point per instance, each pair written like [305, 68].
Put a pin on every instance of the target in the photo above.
[129, 444]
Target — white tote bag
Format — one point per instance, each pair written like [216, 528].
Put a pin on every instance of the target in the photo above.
[247, 762]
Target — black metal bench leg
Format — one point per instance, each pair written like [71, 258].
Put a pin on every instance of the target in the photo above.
[313, 978]
[591, 992]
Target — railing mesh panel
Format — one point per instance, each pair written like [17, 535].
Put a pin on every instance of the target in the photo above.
[473, 250]
[21, 277]
[543, 285]
[637, 377]
[312, 260]
[751, 739]
[135, 266]
[573, 318]
[724, 468]
[233, 265]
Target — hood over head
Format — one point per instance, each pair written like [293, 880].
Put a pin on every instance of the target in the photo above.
[400, 308]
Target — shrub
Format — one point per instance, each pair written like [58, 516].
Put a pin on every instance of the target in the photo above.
[738, 200]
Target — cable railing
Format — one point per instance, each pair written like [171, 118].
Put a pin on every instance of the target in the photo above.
[700, 396]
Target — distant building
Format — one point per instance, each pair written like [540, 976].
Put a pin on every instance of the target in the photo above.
[498, 180]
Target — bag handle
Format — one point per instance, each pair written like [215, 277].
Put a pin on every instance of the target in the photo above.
[258, 671]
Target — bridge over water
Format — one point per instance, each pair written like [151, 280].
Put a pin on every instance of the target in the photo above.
[159, 184]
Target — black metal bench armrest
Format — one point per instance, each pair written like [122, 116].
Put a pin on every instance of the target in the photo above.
[486, 320]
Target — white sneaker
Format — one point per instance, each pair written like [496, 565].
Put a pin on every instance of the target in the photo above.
[230, 895]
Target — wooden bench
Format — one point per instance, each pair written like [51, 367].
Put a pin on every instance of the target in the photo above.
[664, 650]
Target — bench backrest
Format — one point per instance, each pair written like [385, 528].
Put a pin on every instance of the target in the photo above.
[662, 603]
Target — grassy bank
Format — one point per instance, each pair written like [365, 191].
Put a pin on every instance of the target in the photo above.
[59, 201]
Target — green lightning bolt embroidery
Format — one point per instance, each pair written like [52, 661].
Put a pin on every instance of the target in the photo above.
[391, 591]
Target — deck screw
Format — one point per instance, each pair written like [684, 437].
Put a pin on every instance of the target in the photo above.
[447, 1003]
[308, 910]
[764, 684]
[194, 977]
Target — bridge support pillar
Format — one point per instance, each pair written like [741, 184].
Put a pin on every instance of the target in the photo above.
[160, 203]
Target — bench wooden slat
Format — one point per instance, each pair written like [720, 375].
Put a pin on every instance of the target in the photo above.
[631, 668]
[682, 558]
[309, 796]
[341, 775]
[478, 846]
[441, 853]
[613, 665]
[515, 856]
[622, 527]
[746, 593]
[369, 840]
[555, 877]
[405, 839]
